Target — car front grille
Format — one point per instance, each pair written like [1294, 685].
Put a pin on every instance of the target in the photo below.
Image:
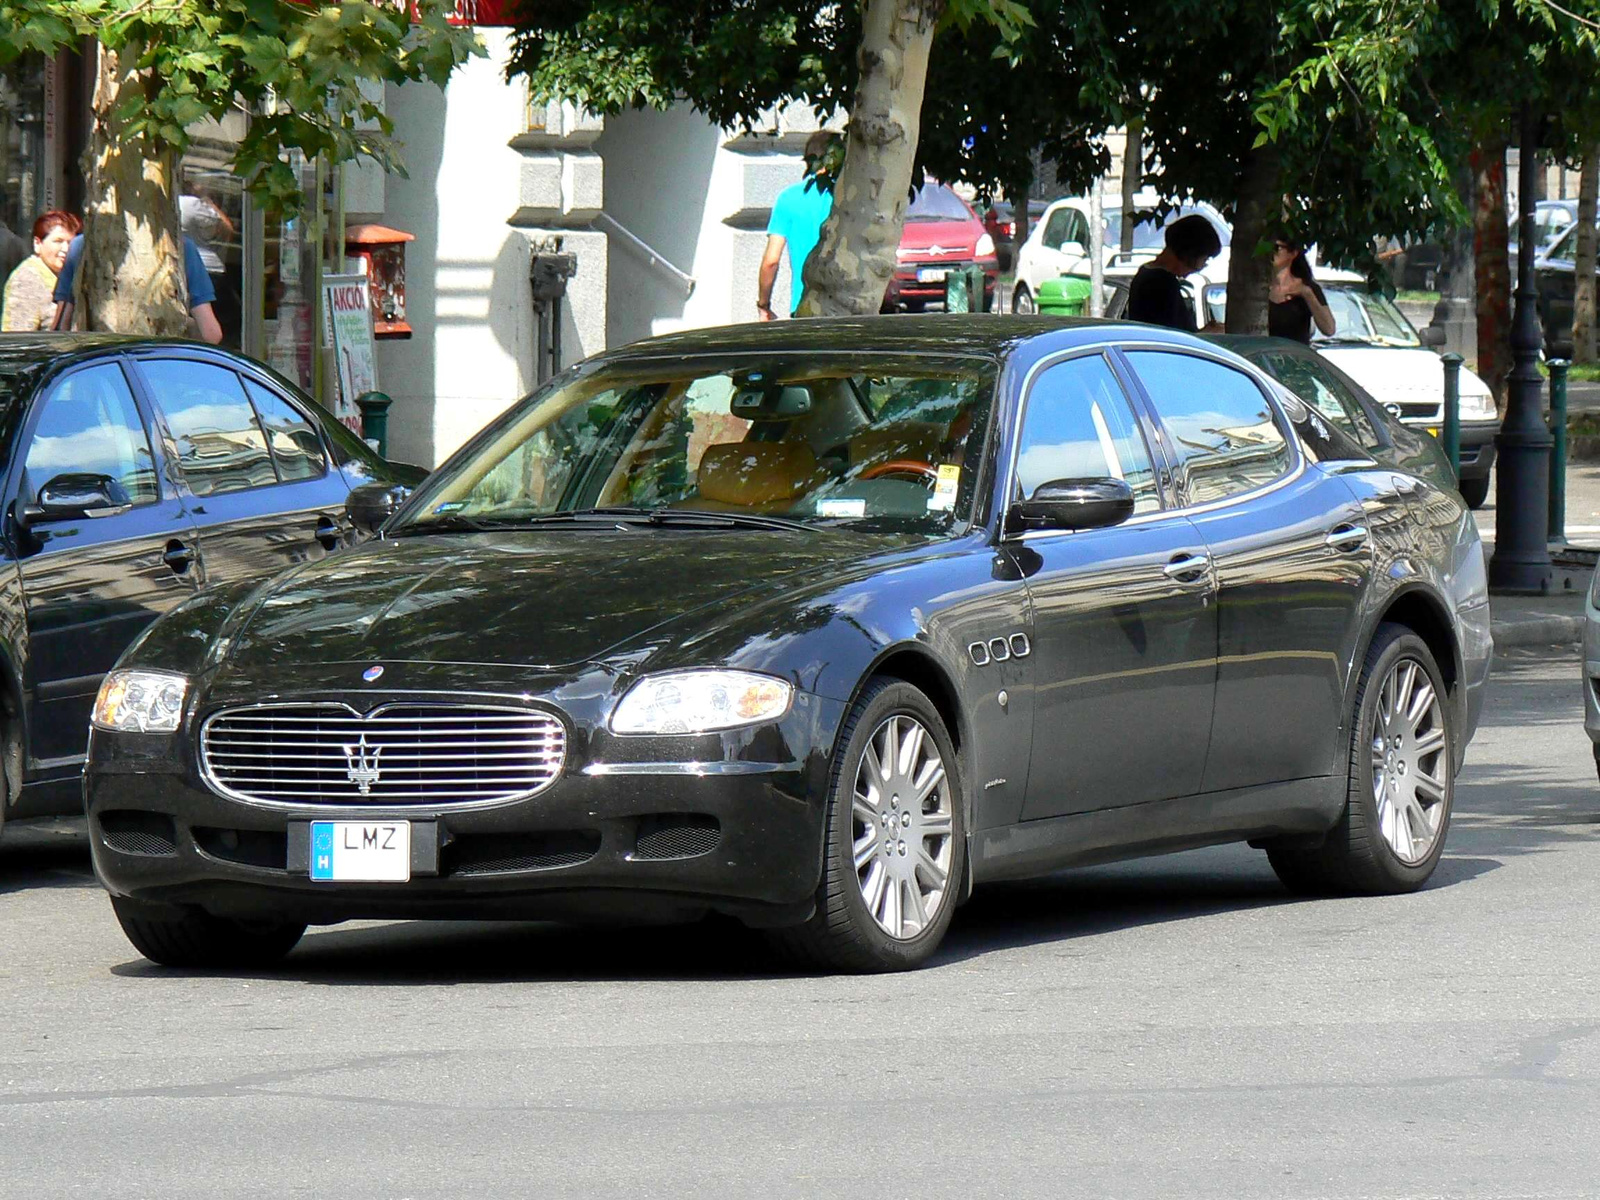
[396, 754]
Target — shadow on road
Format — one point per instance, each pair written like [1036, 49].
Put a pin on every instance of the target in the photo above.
[53, 855]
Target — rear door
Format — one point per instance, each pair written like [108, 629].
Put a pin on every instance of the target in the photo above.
[90, 586]
[1292, 553]
[265, 495]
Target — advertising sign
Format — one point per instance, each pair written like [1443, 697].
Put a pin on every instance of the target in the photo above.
[348, 307]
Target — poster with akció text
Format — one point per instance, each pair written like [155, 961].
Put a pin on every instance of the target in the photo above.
[348, 305]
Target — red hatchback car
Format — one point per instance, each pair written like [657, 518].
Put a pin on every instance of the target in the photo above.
[941, 232]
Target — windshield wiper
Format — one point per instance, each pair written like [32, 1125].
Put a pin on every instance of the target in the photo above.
[445, 524]
[700, 516]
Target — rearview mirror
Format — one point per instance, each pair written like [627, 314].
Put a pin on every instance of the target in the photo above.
[1073, 249]
[1431, 335]
[1074, 504]
[371, 504]
[76, 497]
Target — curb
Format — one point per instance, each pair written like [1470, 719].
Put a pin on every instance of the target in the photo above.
[1538, 631]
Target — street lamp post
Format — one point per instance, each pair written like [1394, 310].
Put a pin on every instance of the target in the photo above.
[1521, 560]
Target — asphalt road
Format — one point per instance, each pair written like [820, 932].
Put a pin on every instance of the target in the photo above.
[1172, 1028]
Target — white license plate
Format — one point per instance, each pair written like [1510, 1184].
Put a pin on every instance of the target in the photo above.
[931, 274]
[361, 851]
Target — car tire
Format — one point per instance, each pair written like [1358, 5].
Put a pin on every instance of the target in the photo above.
[1474, 491]
[1394, 847]
[1022, 301]
[183, 936]
[869, 876]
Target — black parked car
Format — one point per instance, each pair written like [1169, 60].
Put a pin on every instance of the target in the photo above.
[820, 624]
[136, 472]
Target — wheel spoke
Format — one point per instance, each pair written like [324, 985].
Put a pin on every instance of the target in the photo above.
[873, 765]
[1400, 835]
[866, 849]
[891, 917]
[932, 777]
[1405, 679]
[1421, 705]
[872, 887]
[914, 906]
[1428, 742]
[1428, 788]
[910, 750]
[930, 871]
[936, 825]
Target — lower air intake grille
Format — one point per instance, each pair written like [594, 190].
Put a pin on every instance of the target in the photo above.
[491, 854]
[129, 832]
[677, 835]
[395, 754]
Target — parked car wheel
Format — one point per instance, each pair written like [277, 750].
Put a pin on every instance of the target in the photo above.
[893, 861]
[190, 937]
[1475, 491]
[1022, 300]
[1401, 781]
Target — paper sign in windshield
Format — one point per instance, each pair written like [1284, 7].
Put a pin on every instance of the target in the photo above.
[847, 509]
[944, 491]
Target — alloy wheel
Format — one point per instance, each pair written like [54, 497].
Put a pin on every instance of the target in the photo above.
[1410, 762]
[902, 826]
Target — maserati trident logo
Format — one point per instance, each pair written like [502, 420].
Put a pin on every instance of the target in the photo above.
[361, 765]
[373, 674]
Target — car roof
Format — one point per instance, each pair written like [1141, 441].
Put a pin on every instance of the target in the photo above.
[943, 334]
[28, 351]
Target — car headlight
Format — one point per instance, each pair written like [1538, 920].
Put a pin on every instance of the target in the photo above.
[701, 702]
[140, 702]
[1478, 406]
[984, 248]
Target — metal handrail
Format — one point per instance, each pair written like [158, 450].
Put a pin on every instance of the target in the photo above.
[654, 256]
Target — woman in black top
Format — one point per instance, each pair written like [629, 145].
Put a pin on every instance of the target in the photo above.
[1295, 301]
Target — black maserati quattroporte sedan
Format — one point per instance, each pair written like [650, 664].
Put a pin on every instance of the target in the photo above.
[821, 624]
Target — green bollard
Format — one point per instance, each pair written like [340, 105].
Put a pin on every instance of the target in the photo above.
[1558, 451]
[374, 408]
[1452, 411]
[956, 296]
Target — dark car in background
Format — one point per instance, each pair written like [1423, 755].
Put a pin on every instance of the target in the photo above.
[819, 624]
[1555, 273]
[941, 234]
[137, 472]
[1000, 219]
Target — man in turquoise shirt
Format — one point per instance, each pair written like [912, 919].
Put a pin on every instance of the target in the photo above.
[796, 222]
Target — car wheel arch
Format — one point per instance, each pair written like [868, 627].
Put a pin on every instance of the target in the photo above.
[912, 664]
[1419, 610]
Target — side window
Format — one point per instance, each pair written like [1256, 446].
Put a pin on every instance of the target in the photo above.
[1078, 230]
[1078, 425]
[1221, 425]
[1055, 229]
[220, 445]
[295, 446]
[89, 425]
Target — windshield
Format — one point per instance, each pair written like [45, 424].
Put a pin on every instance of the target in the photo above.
[935, 202]
[1361, 316]
[854, 440]
[1150, 233]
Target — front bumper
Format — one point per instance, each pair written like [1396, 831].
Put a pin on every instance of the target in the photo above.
[733, 824]
[906, 289]
[1477, 443]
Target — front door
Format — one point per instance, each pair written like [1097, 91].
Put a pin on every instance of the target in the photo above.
[1124, 651]
[90, 586]
[265, 495]
[1292, 551]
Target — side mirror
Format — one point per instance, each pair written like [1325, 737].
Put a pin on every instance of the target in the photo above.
[75, 497]
[1074, 504]
[371, 504]
[1431, 335]
[1073, 250]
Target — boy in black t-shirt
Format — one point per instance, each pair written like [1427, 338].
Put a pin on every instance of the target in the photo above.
[1155, 295]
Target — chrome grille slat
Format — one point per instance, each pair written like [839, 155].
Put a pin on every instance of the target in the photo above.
[401, 753]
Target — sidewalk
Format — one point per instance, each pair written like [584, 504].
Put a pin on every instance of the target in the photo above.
[1555, 619]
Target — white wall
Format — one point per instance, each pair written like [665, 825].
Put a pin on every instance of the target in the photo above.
[467, 294]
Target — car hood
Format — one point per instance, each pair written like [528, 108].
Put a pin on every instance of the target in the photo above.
[528, 598]
[1396, 373]
[956, 237]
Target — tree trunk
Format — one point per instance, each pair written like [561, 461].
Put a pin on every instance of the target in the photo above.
[1249, 268]
[849, 271]
[130, 279]
[1583, 347]
[1132, 177]
[1492, 262]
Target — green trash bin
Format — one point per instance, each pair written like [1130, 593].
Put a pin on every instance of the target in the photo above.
[1064, 297]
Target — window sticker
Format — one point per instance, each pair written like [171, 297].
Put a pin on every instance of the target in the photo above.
[944, 492]
[848, 509]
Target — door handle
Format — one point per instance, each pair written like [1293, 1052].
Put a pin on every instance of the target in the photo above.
[328, 533]
[1346, 537]
[1186, 568]
[178, 556]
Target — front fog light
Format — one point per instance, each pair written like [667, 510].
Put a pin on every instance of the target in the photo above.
[701, 702]
[140, 702]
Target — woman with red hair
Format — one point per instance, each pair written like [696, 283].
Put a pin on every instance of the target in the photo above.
[29, 301]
